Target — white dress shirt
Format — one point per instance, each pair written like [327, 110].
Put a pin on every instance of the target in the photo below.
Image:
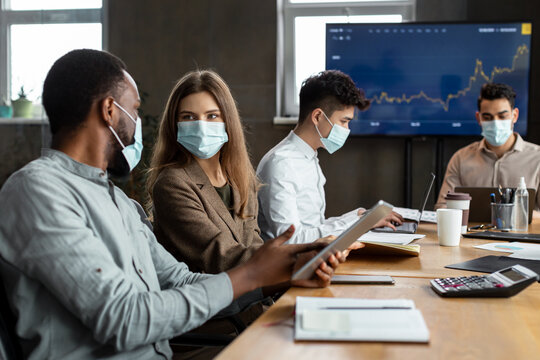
[293, 193]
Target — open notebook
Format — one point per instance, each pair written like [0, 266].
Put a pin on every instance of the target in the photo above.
[342, 319]
[377, 243]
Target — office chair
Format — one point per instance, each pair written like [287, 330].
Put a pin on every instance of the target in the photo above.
[10, 348]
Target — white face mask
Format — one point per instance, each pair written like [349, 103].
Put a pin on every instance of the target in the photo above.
[496, 132]
[336, 138]
[202, 138]
[132, 153]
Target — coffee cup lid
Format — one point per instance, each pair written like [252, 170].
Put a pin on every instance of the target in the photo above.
[457, 196]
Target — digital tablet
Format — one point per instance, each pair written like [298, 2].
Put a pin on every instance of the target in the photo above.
[349, 236]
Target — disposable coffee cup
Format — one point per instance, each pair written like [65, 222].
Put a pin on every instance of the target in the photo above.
[460, 201]
[449, 226]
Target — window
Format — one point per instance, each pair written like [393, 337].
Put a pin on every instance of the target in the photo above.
[34, 33]
[301, 39]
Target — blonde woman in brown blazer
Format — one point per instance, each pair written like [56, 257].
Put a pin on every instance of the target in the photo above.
[202, 188]
[204, 204]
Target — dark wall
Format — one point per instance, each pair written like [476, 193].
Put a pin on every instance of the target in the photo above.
[161, 40]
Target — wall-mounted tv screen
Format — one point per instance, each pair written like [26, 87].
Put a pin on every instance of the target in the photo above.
[424, 79]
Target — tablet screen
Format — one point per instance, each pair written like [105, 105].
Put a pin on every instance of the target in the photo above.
[349, 236]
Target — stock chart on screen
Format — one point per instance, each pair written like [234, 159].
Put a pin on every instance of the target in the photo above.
[424, 79]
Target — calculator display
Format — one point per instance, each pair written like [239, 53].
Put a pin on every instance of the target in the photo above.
[512, 275]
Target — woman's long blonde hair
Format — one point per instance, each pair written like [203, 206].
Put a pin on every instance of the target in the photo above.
[234, 157]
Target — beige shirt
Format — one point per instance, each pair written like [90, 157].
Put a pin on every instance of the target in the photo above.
[477, 166]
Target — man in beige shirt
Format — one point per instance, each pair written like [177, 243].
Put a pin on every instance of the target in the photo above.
[502, 156]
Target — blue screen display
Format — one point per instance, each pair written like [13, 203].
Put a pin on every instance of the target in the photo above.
[424, 79]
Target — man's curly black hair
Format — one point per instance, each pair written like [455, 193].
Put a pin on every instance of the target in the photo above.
[494, 91]
[75, 81]
[330, 90]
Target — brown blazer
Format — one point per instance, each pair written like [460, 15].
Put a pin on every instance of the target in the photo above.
[192, 222]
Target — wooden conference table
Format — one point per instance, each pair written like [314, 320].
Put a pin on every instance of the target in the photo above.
[460, 328]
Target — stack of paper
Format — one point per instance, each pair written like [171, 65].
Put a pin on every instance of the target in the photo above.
[414, 214]
[394, 320]
[378, 243]
[390, 238]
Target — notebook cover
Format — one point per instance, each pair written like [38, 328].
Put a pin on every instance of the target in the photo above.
[379, 248]
[492, 263]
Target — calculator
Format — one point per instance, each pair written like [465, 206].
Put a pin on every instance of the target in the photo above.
[503, 283]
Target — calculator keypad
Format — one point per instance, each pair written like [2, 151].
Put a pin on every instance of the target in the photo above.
[467, 283]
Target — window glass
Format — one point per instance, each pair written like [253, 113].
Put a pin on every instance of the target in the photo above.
[334, 1]
[54, 4]
[34, 48]
[310, 42]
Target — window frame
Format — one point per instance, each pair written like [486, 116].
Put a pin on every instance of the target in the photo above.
[286, 109]
[10, 17]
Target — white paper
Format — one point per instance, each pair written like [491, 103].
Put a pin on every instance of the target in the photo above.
[390, 238]
[326, 320]
[429, 216]
[413, 214]
[509, 246]
[368, 320]
[526, 254]
[410, 214]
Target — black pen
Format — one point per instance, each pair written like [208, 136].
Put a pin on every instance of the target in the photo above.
[482, 226]
[492, 195]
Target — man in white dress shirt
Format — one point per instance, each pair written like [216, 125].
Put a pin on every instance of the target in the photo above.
[293, 190]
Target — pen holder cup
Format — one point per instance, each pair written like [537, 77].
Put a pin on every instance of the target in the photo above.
[502, 216]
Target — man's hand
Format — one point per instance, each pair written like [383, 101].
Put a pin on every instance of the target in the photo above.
[325, 271]
[272, 264]
[391, 220]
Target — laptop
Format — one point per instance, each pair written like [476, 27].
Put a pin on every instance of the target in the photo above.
[410, 227]
[349, 236]
[480, 208]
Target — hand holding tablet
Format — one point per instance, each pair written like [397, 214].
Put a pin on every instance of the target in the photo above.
[348, 237]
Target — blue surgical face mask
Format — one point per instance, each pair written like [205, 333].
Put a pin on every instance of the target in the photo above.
[132, 152]
[336, 138]
[496, 132]
[202, 138]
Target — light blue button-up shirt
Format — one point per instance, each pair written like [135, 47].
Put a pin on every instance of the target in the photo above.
[85, 277]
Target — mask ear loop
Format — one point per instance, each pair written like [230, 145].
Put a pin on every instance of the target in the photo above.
[114, 132]
[331, 123]
[317, 128]
[116, 136]
[124, 110]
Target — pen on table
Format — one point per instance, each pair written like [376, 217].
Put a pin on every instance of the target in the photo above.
[365, 308]
[482, 226]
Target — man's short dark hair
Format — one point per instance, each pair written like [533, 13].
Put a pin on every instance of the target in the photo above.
[330, 90]
[75, 81]
[494, 91]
